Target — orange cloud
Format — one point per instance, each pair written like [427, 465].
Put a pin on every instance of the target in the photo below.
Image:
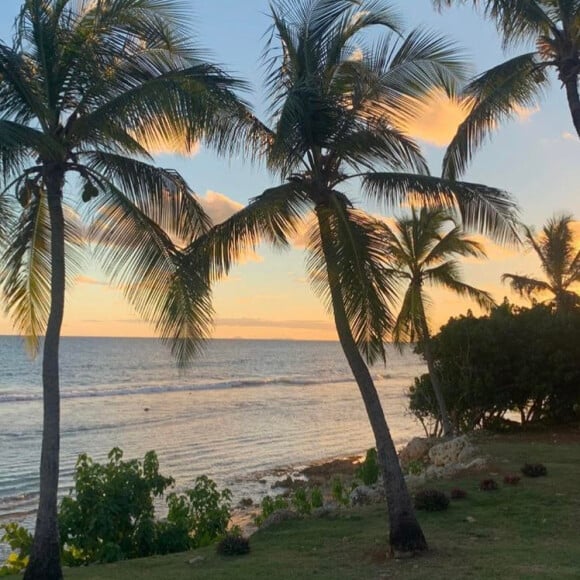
[218, 206]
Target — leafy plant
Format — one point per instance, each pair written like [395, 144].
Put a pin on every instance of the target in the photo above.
[534, 470]
[203, 510]
[415, 467]
[511, 479]
[368, 471]
[488, 485]
[269, 505]
[431, 500]
[233, 545]
[20, 541]
[458, 493]
[339, 492]
[316, 497]
[110, 516]
[301, 502]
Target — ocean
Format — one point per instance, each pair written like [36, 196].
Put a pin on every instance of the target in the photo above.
[242, 410]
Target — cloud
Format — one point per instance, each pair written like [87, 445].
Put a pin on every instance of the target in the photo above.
[437, 118]
[569, 136]
[264, 323]
[525, 113]
[218, 206]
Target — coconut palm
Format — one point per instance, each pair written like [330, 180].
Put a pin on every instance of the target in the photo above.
[86, 88]
[560, 262]
[422, 250]
[554, 27]
[336, 101]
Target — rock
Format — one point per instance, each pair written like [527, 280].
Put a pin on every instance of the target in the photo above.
[366, 494]
[196, 560]
[416, 450]
[470, 519]
[280, 516]
[326, 510]
[467, 454]
[479, 463]
[448, 452]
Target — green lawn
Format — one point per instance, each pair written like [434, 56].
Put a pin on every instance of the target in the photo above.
[527, 531]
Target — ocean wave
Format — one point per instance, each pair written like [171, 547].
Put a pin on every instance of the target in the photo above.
[153, 389]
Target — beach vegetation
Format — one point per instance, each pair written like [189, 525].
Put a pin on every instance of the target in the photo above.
[269, 505]
[553, 29]
[88, 91]
[110, 514]
[233, 545]
[368, 470]
[431, 500]
[534, 470]
[19, 539]
[337, 100]
[422, 251]
[339, 492]
[560, 262]
[515, 363]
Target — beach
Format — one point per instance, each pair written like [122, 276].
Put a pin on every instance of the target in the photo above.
[244, 413]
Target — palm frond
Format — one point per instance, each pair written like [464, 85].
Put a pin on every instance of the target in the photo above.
[25, 279]
[408, 325]
[447, 275]
[526, 286]
[494, 97]
[486, 209]
[143, 261]
[271, 217]
[347, 250]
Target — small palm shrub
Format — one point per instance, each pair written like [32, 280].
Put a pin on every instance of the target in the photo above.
[233, 545]
[431, 500]
[339, 492]
[511, 479]
[534, 470]
[488, 485]
[458, 493]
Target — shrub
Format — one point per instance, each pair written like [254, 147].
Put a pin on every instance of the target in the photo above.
[203, 510]
[457, 493]
[534, 470]
[515, 359]
[339, 492]
[368, 471]
[511, 479]
[488, 485]
[110, 516]
[233, 545]
[431, 500]
[316, 498]
[269, 505]
[20, 541]
[415, 467]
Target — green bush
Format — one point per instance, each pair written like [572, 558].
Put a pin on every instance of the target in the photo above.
[368, 471]
[524, 360]
[316, 497]
[534, 470]
[110, 514]
[20, 541]
[339, 492]
[233, 545]
[269, 505]
[431, 500]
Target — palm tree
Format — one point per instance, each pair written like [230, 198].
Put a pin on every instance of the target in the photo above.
[554, 27]
[85, 89]
[335, 104]
[560, 261]
[421, 252]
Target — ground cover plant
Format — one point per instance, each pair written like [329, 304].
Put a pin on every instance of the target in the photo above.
[526, 531]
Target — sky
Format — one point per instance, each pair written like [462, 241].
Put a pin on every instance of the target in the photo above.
[534, 157]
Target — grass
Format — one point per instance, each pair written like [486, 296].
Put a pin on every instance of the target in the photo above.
[523, 531]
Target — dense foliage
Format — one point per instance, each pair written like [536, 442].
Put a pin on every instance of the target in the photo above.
[368, 470]
[524, 360]
[110, 514]
[431, 500]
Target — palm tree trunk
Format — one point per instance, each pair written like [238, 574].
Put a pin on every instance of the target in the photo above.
[571, 84]
[45, 556]
[433, 375]
[405, 534]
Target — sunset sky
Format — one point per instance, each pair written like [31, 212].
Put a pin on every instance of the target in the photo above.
[535, 157]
